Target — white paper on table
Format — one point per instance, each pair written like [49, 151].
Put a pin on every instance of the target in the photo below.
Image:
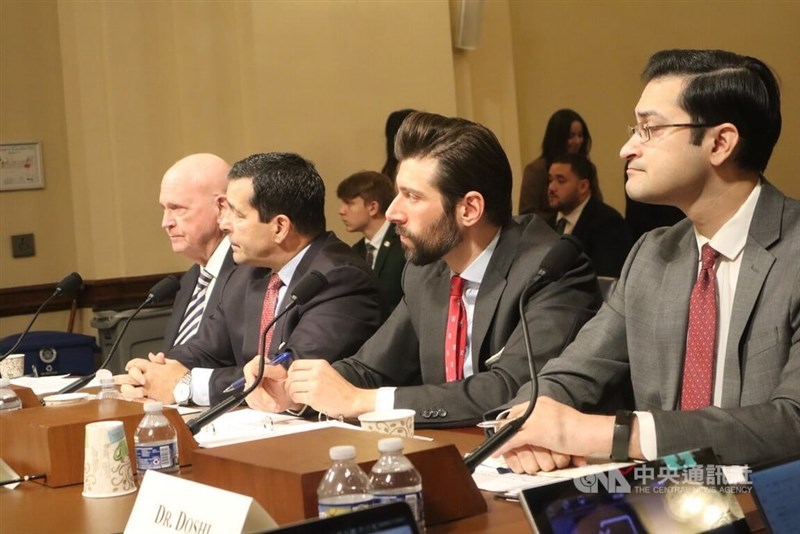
[43, 385]
[248, 425]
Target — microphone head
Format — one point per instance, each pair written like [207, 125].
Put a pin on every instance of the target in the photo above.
[310, 285]
[561, 257]
[164, 289]
[69, 284]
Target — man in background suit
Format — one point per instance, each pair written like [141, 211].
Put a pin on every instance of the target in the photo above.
[705, 318]
[275, 219]
[192, 192]
[365, 196]
[600, 228]
[453, 346]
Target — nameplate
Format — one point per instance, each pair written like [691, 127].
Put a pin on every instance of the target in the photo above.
[167, 503]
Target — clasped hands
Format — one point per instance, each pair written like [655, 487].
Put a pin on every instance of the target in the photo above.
[307, 382]
[154, 378]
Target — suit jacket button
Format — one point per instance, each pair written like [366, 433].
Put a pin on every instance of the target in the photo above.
[426, 414]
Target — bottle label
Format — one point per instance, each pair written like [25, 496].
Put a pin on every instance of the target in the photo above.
[340, 508]
[414, 501]
[157, 456]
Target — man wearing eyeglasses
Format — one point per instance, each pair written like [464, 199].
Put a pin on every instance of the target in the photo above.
[705, 319]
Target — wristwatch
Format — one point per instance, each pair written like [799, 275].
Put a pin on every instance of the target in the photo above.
[622, 436]
[183, 390]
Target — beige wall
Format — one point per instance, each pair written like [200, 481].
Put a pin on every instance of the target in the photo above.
[117, 91]
[588, 56]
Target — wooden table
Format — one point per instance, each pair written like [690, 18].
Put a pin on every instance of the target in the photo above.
[33, 507]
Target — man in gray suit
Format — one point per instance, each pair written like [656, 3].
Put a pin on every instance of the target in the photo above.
[469, 263]
[705, 319]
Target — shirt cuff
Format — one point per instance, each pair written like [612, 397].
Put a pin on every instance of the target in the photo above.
[201, 378]
[647, 435]
[384, 399]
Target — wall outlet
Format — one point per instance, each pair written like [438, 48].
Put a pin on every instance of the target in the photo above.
[23, 246]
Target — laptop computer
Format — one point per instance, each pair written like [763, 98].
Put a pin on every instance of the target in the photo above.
[682, 493]
[394, 518]
[776, 486]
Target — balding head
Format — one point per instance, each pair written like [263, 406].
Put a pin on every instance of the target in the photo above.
[190, 196]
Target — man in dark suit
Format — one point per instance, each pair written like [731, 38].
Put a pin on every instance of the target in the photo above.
[192, 192]
[601, 229]
[705, 319]
[365, 196]
[274, 218]
[453, 346]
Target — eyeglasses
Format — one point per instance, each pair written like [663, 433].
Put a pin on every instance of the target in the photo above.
[644, 130]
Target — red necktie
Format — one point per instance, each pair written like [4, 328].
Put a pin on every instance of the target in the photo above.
[268, 311]
[701, 340]
[455, 343]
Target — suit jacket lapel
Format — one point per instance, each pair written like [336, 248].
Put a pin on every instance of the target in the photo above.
[492, 286]
[433, 320]
[254, 302]
[673, 297]
[389, 240]
[756, 264]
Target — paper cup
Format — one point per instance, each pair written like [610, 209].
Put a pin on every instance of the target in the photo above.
[392, 422]
[13, 366]
[106, 465]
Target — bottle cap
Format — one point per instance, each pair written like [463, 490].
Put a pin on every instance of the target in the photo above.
[152, 407]
[390, 445]
[4, 382]
[342, 452]
[103, 373]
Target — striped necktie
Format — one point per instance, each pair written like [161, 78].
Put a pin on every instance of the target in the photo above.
[194, 311]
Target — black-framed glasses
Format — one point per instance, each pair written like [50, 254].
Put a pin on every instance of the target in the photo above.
[644, 130]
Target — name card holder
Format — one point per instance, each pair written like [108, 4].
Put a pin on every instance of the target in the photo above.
[283, 473]
[168, 504]
[50, 439]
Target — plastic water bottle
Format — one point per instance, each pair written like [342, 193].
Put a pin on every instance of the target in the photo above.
[155, 442]
[345, 487]
[394, 478]
[8, 398]
[108, 390]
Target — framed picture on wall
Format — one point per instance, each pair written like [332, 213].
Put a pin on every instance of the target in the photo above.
[21, 166]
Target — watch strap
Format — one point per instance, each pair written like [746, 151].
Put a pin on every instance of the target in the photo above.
[622, 436]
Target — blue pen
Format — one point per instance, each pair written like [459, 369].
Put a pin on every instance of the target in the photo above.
[280, 358]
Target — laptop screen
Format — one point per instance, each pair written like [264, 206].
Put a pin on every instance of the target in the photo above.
[776, 489]
[394, 518]
[678, 493]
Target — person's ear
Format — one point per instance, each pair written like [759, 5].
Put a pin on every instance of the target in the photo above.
[725, 143]
[470, 209]
[282, 227]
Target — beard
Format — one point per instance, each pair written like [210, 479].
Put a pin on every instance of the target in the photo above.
[438, 239]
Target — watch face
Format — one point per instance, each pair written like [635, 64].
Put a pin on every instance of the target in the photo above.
[181, 392]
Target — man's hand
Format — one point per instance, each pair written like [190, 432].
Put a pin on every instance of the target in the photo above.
[154, 378]
[271, 396]
[316, 383]
[555, 435]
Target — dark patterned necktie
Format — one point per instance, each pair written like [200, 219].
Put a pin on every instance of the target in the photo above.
[194, 311]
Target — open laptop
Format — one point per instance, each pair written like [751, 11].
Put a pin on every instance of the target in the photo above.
[394, 518]
[776, 487]
[682, 493]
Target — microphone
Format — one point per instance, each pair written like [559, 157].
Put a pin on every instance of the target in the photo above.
[68, 285]
[163, 289]
[555, 264]
[306, 289]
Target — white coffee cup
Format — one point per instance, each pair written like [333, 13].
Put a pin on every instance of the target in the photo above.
[106, 465]
[398, 422]
[13, 366]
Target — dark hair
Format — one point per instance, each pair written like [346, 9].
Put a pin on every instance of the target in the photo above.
[285, 183]
[726, 87]
[469, 158]
[369, 185]
[393, 122]
[582, 167]
[557, 133]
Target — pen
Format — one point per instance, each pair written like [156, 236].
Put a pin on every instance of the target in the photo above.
[280, 358]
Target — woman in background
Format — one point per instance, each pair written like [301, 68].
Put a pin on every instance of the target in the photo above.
[566, 132]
